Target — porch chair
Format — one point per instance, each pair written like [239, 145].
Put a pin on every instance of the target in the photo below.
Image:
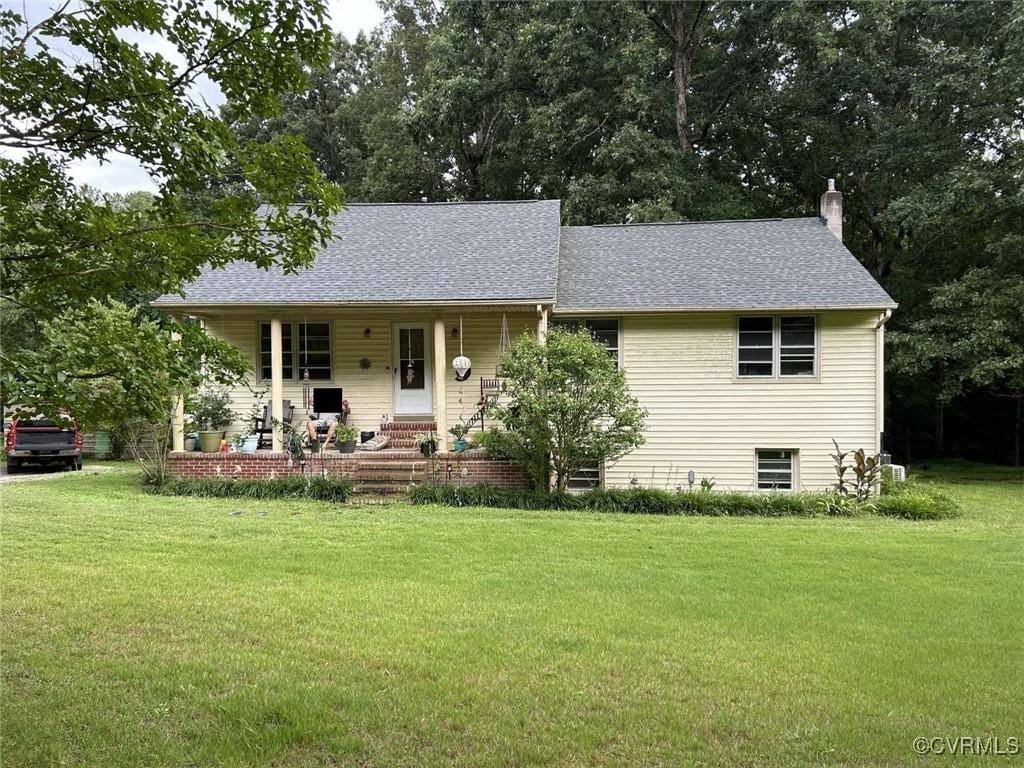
[264, 425]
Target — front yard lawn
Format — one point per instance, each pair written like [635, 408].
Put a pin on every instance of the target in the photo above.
[147, 630]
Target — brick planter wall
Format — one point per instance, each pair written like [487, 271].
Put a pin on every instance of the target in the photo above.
[474, 468]
[470, 468]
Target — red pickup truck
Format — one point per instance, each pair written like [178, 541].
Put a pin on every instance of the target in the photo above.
[42, 441]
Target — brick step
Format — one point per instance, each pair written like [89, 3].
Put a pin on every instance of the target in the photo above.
[395, 465]
[412, 427]
[390, 477]
[382, 489]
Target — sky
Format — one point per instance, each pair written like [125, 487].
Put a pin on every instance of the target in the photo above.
[122, 174]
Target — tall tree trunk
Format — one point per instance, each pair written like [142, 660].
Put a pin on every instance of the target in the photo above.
[940, 430]
[681, 70]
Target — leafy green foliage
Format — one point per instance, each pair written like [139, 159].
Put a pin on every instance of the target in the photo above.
[71, 255]
[335, 489]
[568, 404]
[103, 363]
[646, 501]
[210, 409]
[914, 501]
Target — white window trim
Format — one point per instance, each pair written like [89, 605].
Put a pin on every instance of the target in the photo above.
[296, 372]
[794, 470]
[777, 374]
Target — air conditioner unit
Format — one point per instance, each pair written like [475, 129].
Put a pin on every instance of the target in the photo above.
[897, 472]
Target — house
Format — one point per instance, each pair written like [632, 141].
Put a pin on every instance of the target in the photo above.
[752, 344]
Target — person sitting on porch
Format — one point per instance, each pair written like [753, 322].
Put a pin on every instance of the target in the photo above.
[328, 421]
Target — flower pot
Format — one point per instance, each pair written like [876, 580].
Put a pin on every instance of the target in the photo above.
[461, 445]
[349, 446]
[210, 441]
[429, 448]
[191, 444]
[249, 444]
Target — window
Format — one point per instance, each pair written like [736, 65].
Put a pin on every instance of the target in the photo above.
[314, 350]
[286, 345]
[796, 346]
[755, 346]
[774, 470]
[308, 343]
[768, 344]
[605, 330]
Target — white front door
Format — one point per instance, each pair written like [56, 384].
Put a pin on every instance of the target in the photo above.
[412, 370]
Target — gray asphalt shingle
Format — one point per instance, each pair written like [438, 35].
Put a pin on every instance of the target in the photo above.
[493, 252]
[428, 252]
[756, 264]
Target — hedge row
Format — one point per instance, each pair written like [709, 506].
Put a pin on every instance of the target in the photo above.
[634, 501]
[319, 488]
[913, 503]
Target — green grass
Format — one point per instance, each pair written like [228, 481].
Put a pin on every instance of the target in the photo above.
[148, 630]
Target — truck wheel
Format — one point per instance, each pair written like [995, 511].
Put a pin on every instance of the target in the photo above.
[13, 467]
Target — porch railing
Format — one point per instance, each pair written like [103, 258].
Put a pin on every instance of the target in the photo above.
[490, 391]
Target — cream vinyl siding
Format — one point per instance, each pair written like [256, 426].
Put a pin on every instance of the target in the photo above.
[701, 416]
[481, 334]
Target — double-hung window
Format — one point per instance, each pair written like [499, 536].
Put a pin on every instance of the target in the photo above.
[770, 346]
[305, 347]
[774, 470]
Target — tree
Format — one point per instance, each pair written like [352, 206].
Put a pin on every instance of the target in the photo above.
[974, 336]
[76, 87]
[569, 406]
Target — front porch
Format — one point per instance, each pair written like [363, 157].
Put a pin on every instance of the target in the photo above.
[393, 368]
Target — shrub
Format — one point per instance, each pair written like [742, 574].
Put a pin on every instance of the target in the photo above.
[914, 501]
[568, 405]
[645, 501]
[335, 489]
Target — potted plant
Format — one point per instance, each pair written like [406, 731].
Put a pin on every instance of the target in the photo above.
[345, 438]
[427, 442]
[211, 413]
[459, 432]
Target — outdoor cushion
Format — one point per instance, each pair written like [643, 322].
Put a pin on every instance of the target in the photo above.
[375, 444]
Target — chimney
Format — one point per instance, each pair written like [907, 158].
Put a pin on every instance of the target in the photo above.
[830, 208]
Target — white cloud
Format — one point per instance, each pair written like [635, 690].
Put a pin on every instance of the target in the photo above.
[123, 174]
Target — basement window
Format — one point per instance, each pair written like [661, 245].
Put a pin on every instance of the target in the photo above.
[775, 470]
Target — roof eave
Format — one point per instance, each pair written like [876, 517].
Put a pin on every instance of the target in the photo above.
[556, 310]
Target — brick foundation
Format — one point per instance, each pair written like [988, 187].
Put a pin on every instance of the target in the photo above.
[369, 469]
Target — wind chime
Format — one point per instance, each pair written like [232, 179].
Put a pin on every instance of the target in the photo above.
[307, 386]
[410, 370]
[463, 368]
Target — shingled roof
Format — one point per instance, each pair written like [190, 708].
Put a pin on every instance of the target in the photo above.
[707, 265]
[408, 253]
[507, 252]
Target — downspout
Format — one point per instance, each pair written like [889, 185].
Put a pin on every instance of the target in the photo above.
[880, 378]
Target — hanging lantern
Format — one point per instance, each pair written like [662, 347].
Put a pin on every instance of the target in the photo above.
[463, 367]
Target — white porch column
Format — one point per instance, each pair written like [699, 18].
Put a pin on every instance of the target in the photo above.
[440, 381]
[276, 380]
[542, 323]
[177, 413]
